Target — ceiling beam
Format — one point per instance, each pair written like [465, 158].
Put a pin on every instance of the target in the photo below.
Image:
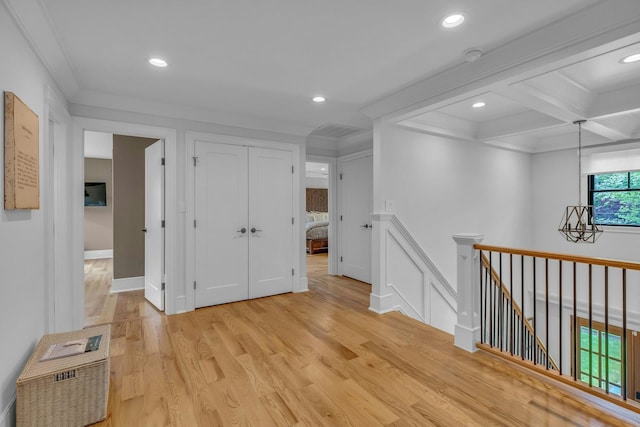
[442, 124]
[557, 97]
[616, 102]
[517, 124]
[606, 24]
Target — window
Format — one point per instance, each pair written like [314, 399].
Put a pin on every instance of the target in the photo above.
[615, 198]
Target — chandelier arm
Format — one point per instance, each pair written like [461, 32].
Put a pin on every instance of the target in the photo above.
[579, 163]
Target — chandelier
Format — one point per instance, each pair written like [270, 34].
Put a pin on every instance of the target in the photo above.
[577, 223]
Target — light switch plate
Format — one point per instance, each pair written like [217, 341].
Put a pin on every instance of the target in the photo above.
[389, 205]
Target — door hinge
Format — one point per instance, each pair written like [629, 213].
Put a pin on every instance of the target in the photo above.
[162, 286]
[293, 271]
[162, 225]
[195, 161]
[340, 177]
[340, 259]
[291, 169]
[340, 217]
[194, 284]
[292, 220]
[194, 223]
[162, 162]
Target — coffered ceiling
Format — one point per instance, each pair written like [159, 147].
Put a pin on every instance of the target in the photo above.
[258, 64]
[536, 114]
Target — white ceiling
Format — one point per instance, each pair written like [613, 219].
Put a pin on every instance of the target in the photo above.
[316, 170]
[264, 60]
[258, 64]
[536, 114]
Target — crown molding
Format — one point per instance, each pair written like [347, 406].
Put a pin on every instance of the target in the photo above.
[33, 22]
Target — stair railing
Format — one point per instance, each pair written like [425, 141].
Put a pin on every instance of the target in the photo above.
[564, 316]
[507, 327]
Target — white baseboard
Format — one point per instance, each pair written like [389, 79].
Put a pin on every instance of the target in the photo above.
[303, 285]
[466, 338]
[8, 414]
[180, 305]
[99, 254]
[127, 284]
[381, 303]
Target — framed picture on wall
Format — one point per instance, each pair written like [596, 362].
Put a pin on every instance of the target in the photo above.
[21, 155]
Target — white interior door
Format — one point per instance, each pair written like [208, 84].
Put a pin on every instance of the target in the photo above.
[153, 223]
[221, 229]
[270, 222]
[356, 204]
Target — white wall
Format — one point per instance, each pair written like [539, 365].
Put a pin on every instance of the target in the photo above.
[22, 233]
[317, 182]
[98, 145]
[442, 186]
[555, 175]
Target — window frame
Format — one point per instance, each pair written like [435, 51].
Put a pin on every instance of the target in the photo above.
[600, 352]
[630, 355]
[591, 192]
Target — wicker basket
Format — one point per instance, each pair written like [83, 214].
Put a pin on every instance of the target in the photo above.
[70, 391]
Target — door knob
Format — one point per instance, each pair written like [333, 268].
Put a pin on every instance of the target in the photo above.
[144, 229]
[253, 229]
[242, 230]
[365, 226]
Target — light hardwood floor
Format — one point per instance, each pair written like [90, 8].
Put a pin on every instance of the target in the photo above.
[317, 265]
[313, 359]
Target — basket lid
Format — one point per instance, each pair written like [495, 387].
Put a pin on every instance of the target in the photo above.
[36, 368]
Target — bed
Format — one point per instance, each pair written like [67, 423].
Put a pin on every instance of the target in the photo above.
[317, 232]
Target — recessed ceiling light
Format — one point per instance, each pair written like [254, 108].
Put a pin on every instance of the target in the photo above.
[453, 20]
[631, 58]
[157, 62]
[319, 99]
[479, 104]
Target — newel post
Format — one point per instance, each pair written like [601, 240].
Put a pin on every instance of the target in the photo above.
[467, 331]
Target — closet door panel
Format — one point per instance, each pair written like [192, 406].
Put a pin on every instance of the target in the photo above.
[270, 222]
[221, 207]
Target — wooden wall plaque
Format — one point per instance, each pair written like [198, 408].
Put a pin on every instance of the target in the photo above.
[21, 155]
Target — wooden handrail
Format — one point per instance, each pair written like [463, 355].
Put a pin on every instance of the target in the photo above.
[514, 306]
[629, 265]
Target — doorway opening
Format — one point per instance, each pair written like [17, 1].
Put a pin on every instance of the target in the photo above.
[115, 196]
[317, 218]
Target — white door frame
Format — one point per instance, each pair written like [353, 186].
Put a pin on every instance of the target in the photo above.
[56, 180]
[334, 244]
[341, 161]
[171, 232]
[299, 277]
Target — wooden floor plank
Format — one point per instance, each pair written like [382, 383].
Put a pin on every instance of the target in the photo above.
[319, 358]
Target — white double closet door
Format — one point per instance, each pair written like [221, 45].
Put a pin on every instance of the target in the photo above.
[244, 223]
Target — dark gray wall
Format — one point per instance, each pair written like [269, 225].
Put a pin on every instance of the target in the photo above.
[128, 205]
[98, 220]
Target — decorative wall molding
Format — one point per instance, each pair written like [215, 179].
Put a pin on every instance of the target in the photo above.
[441, 284]
[98, 254]
[407, 280]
